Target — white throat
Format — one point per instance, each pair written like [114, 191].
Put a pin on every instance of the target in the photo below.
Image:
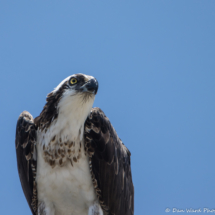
[73, 110]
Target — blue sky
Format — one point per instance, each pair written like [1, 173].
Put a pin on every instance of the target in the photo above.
[155, 63]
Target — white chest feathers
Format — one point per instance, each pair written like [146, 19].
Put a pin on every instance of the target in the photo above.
[64, 181]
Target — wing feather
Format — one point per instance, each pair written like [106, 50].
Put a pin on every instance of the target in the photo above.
[25, 149]
[110, 161]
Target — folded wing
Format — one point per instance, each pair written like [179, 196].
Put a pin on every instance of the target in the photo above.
[109, 165]
[26, 157]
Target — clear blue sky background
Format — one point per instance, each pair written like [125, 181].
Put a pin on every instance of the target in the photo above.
[155, 63]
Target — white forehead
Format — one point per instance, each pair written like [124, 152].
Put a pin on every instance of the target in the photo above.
[87, 77]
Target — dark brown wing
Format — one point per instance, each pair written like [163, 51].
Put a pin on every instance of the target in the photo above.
[26, 157]
[109, 165]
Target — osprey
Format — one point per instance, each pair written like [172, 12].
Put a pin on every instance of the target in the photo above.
[70, 159]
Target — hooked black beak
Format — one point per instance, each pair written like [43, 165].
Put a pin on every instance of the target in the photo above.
[91, 86]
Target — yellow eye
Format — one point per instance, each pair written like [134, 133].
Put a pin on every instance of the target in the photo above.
[73, 81]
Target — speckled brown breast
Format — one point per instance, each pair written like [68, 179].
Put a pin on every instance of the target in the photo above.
[58, 152]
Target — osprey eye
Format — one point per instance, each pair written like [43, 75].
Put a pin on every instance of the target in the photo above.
[73, 81]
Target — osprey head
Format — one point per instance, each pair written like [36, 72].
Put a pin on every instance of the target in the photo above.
[77, 90]
[78, 83]
[73, 96]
